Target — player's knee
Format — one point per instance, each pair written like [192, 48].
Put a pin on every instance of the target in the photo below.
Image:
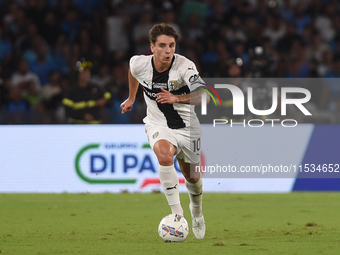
[165, 159]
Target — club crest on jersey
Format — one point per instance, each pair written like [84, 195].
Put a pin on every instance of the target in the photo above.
[173, 85]
[155, 135]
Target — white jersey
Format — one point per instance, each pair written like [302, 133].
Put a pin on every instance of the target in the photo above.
[181, 78]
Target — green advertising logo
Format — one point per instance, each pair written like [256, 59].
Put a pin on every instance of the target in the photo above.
[99, 181]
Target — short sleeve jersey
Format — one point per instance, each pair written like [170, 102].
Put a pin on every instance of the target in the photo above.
[181, 78]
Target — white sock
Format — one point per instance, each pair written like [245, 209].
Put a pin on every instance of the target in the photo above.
[170, 185]
[195, 194]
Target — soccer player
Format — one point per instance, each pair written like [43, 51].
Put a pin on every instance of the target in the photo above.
[169, 81]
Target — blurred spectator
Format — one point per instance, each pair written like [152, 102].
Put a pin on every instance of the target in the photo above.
[315, 8]
[5, 48]
[239, 52]
[317, 48]
[218, 17]
[84, 101]
[52, 95]
[287, 11]
[199, 8]
[62, 57]
[323, 22]
[26, 41]
[194, 33]
[71, 25]
[300, 66]
[98, 56]
[210, 57]
[15, 21]
[118, 80]
[234, 32]
[103, 78]
[50, 29]
[223, 59]
[31, 54]
[246, 9]
[301, 19]
[87, 7]
[313, 69]
[17, 109]
[97, 27]
[84, 41]
[251, 31]
[23, 77]
[62, 8]
[336, 28]
[44, 62]
[140, 33]
[3, 90]
[276, 29]
[333, 87]
[326, 63]
[31, 95]
[262, 12]
[117, 31]
[308, 35]
[285, 43]
[36, 11]
[33, 98]
[334, 72]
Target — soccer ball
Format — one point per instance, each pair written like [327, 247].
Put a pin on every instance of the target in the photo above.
[173, 228]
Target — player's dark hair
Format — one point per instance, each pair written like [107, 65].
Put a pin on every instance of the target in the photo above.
[162, 29]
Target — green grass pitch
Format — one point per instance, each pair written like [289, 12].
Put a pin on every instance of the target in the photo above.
[295, 223]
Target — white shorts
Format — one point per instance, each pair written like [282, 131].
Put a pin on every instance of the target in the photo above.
[187, 140]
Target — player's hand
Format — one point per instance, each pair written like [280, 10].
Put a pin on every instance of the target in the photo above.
[166, 97]
[126, 106]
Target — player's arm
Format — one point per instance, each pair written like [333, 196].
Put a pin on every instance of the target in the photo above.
[194, 82]
[166, 97]
[126, 106]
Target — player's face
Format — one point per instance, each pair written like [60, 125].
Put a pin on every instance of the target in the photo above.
[164, 49]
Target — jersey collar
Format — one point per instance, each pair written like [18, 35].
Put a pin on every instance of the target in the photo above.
[153, 65]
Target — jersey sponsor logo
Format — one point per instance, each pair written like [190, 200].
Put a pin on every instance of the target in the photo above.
[158, 85]
[155, 135]
[150, 94]
[194, 78]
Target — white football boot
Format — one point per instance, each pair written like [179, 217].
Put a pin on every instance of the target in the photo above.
[198, 225]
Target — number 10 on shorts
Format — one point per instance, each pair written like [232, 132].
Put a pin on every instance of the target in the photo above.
[197, 144]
